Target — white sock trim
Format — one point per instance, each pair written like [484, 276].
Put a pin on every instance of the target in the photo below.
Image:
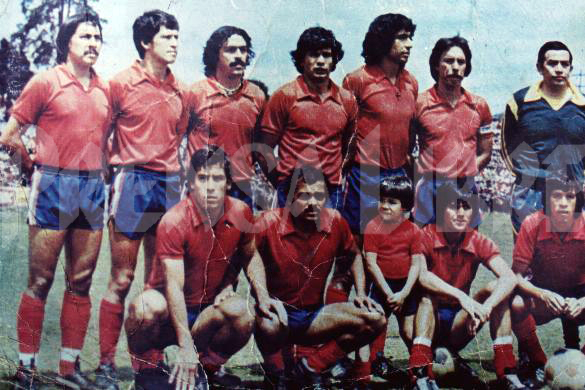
[27, 358]
[423, 341]
[69, 354]
[503, 340]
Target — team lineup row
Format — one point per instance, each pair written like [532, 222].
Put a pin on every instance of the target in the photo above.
[343, 176]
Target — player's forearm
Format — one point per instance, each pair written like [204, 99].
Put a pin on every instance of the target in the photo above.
[257, 276]
[436, 285]
[376, 273]
[12, 144]
[359, 279]
[178, 313]
[504, 288]
[527, 288]
[413, 274]
[485, 151]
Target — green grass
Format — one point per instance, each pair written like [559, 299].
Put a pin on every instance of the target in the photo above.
[13, 276]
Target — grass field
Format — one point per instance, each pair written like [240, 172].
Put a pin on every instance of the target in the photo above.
[13, 276]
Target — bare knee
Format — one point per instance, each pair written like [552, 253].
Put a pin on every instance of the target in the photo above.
[80, 282]
[147, 308]
[237, 312]
[40, 283]
[121, 282]
[373, 322]
[518, 305]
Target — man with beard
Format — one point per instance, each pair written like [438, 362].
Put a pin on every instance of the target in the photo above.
[311, 119]
[448, 123]
[69, 106]
[226, 107]
[386, 94]
[150, 120]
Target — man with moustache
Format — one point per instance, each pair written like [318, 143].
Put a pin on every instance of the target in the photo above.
[386, 94]
[69, 106]
[448, 122]
[226, 107]
[150, 118]
[311, 119]
[298, 245]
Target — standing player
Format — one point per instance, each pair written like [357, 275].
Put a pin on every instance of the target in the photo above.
[190, 297]
[386, 94]
[298, 245]
[447, 315]
[311, 119]
[544, 131]
[227, 107]
[392, 246]
[549, 264]
[69, 106]
[150, 118]
[448, 123]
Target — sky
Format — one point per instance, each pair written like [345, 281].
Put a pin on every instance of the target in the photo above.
[504, 35]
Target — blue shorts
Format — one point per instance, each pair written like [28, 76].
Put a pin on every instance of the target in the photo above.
[63, 199]
[193, 313]
[299, 320]
[445, 322]
[363, 193]
[410, 303]
[334, 201]
[426, 191]
[140, 198]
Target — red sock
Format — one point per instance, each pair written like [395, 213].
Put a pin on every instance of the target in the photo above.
[503, 358]
[29, 324]
[525, 331]
[305, 351]
[325, 356]
[335, 295]
[360, 371]
[377, 346]
[111, 319]
[75, 315]
[421, 356]
[274, 362]
[148, 359]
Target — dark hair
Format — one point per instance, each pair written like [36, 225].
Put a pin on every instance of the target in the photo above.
[398, 188]
[442, 46]
[564, 185]
[552, 45]
[381, 35]
[451, 192]
[215, 42]
[147, 25]
[307, 174]
[204, 157]
[316, 38]
[68, 28]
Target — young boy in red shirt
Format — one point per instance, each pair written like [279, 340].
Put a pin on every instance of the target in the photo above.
[392, 246]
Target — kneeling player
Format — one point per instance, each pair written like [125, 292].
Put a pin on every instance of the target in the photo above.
[549, 264]
[298, 245]
[189, 299]
[447, 315]
[392, 245]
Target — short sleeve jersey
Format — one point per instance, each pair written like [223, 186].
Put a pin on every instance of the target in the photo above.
[311, 129]
[298, 264]
[185, 234]
[448, 136]
[150, 119]
[385, 113]
[226, 121]
[393, 245]
[456, 265]
[538, 140]
[72, 122]
[555, 263]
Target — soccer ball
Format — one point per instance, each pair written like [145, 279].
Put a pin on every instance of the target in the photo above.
[565, 370]
[443, 362]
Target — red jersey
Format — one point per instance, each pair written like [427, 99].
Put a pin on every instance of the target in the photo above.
[554, 263]
[448, 136]
[385, 112]
[226, 121]
[184, 234]
[311, 129]
[298, 264]
[393, 245]
[150, 118]
[456, 265]
[72, 122]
